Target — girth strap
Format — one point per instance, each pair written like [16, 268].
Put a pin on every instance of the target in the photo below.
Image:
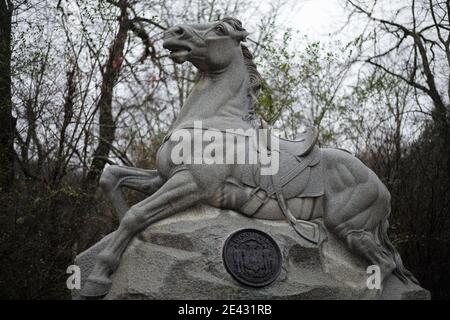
[256, 200]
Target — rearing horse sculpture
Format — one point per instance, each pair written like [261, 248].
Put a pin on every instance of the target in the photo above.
[311, 183]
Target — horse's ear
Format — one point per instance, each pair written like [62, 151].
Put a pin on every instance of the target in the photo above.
[244, 35]
[241, 35]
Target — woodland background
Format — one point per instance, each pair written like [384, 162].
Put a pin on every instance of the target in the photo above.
[84, 81]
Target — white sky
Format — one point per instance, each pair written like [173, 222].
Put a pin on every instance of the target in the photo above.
[318, 19]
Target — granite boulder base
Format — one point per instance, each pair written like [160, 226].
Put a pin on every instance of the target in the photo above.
[181, 258]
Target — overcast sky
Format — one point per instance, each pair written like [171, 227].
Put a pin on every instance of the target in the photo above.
[316, 18]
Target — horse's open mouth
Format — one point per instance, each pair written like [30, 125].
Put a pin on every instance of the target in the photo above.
[178, 50]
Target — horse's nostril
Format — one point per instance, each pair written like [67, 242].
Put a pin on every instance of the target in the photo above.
[178, 31]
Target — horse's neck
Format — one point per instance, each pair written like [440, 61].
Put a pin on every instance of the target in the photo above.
[218, 100]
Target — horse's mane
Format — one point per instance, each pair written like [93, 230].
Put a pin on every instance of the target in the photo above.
[255, 77]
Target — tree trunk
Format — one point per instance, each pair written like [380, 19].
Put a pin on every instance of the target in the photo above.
[7, 121]
[110, 74]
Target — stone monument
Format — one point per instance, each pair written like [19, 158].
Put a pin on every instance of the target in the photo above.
[233, 211]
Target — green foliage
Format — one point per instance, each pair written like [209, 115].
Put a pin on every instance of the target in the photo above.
[303, 86]
[278, 91]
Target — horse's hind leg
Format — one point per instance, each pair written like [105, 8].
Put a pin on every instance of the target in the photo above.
[114, 178]
[358, 231]
[357, 205]
[364, 243]
[178, 193]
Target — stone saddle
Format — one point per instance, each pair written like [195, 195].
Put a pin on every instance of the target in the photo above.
[298, 174]
[299, 171]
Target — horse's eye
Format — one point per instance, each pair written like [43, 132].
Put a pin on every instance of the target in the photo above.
[220, 29]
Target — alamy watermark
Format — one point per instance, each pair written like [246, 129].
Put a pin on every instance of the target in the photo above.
[231, 146]
[373, 281]
[74, 280]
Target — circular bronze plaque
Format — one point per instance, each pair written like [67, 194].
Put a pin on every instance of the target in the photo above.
[252, 257]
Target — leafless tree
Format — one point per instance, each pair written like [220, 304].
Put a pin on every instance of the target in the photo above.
[7, 121]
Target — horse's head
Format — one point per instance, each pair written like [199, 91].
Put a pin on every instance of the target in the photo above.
[209, 46]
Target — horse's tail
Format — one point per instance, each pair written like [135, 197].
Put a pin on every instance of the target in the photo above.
[400, 271]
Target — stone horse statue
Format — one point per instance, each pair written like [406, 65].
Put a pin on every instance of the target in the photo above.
[311, 183]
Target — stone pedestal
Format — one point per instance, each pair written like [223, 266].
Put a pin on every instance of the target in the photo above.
[181, 258]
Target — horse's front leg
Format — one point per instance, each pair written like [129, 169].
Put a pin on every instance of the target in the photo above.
[114, 178]
[178, 193]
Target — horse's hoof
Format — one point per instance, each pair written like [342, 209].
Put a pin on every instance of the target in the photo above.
[96, 288]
